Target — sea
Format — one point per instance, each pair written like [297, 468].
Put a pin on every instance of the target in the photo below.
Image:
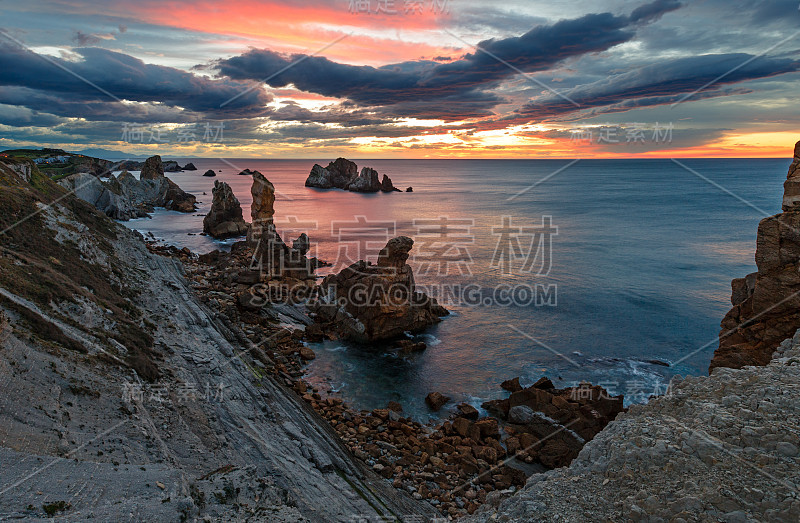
[614, 272]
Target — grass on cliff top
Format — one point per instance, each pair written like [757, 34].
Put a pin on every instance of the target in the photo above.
[35, 266]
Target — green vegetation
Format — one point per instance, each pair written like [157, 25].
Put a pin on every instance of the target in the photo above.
[57, 163]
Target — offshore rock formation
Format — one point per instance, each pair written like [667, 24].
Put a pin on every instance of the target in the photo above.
[366, 302]
[343, 174]
[210, 173]
[129, 390]
[766, 304]
[152, 169]
[225, 219]
[189, 167]
[123, 197]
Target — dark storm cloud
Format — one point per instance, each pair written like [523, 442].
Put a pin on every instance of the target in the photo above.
[413, 84]
[127, 78]
[663, 83]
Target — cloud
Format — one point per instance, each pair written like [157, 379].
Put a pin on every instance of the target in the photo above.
[101, 76]
[662, 83]
[429, 85]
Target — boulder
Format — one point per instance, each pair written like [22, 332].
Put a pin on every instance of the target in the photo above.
[152, 169]
[224, 220]
[189, 167]
[409, 189]
[175, 199]
[467, 411]
[367, 181]
[246, 172]
[124, 197]
[342, 172]
[511, 385]
[366, 302]
[210, 173]
[436, 400]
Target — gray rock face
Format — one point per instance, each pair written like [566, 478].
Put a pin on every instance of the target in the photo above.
[208, 442]
[225, 219]
[152, 169]
[124, 197]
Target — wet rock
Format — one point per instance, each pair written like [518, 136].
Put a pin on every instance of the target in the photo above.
[467, 411]
[436, 400]
[511, 385]
[387, 186]
[189, 167]
[210, 173]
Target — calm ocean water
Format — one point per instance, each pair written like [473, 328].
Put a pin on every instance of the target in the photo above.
[640, 267]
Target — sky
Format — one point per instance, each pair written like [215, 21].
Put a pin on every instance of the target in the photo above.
[402, 78]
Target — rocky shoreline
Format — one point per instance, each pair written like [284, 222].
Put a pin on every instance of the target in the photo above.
[156, 318]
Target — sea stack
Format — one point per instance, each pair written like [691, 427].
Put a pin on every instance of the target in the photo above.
[394, 306]
[766, 303]
[152, 169]
[343, 174]
[225, 219]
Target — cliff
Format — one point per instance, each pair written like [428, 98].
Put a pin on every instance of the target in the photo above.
[766, 304]
[126, 398]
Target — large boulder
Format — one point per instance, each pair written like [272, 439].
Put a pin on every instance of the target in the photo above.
[766, 304]
[175, 199]
[210, 173]
[152, 169]
[366, 302]
[225, 219]
[189, 167]
[367, 181]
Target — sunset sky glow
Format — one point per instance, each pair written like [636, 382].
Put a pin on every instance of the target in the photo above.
[403, 79]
